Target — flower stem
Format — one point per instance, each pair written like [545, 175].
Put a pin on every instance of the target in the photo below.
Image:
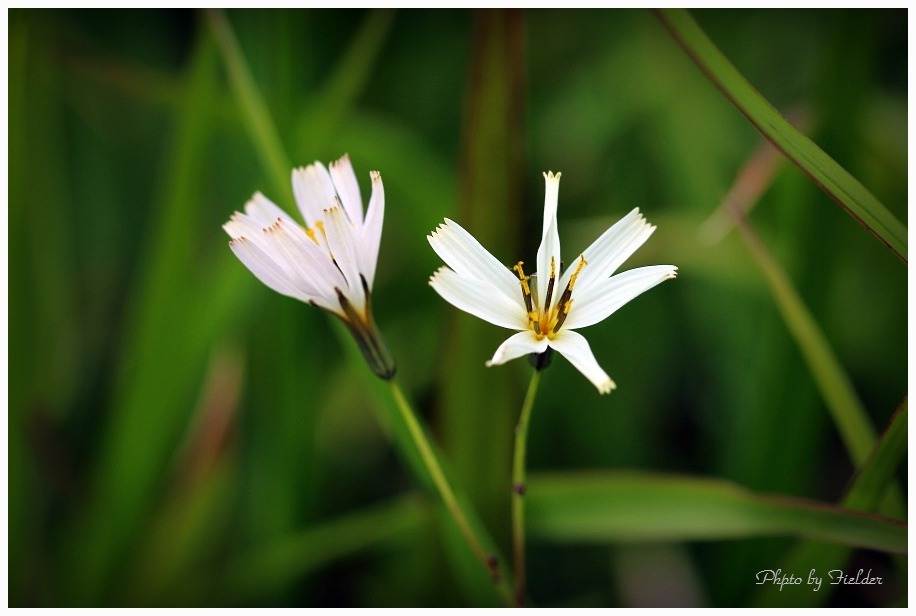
[489, 561]
[518, 488]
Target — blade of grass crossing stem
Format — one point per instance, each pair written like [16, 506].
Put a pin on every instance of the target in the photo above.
[868, 488]
[392, 420]
[155, 383]
[842, 187]
[639, 507]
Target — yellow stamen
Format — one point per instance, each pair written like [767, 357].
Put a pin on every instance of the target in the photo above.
[565, 302]
[311, 232]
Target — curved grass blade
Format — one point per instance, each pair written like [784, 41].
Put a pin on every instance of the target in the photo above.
[256, 115]
[838, 183]
[865, 493]
[250, 578]
[847, 411]
[645, 507]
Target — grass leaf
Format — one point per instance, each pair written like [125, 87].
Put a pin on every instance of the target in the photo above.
[635, 506]
[842, 187]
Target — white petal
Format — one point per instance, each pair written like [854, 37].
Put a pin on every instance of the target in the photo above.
[273, 275]
[464, 254]
[517, 345]
[344, 245]
[549, 250]
[264, 268]
[478, 299]
[372, 227]
[348, 189]
[242, 225]
[574, 347]
[600, 301]
[608, 252]
[309, 267]
[314, 192]
[265, 212]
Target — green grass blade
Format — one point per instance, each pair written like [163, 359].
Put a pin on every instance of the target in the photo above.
[634, 507]
[872, 479]
[476, 437]
[865, 494]
[335, 99]
[842, 187]
[849, 416]
[868, 487]
[156, 384]
[254, 110]
[251, 577]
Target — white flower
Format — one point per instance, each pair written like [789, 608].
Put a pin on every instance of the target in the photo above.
[546, 313]
[329, 264]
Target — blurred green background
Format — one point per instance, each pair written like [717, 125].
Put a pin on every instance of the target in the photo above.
[181, 435]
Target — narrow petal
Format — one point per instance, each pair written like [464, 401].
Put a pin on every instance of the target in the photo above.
[264, 268]
[242, 225]
[478, 299]
[314, 192]
[549, 250]
[309, 267]
[612, 248]
[597, 303]
[372, 227]
[517, 345]
[344, 179]
[274, 276]
[574, 347]
[345, 248]
[464, 254]
[264, 211]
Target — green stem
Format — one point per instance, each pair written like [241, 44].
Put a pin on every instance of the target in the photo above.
[518, 488]
[489, 561]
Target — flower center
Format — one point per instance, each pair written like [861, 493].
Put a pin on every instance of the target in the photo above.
[546, 321]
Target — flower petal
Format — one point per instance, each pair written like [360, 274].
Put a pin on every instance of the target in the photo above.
[345, 250]
[549, 250]
[372, 227]
[611, 249]
[264, 268]
[307, 266]
[274, 276]
[314, 192]
[478, 299]
[264, 211]
[574, 347]
[464, 254]
[517, 345]
[597, 303]
[242, 225]
[344, 179]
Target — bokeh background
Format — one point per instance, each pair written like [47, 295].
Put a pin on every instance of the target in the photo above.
[181, 435]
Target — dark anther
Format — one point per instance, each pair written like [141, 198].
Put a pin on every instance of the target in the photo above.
[519, 488]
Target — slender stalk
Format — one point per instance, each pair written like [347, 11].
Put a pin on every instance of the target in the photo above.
[518, 488]
[489, 561]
